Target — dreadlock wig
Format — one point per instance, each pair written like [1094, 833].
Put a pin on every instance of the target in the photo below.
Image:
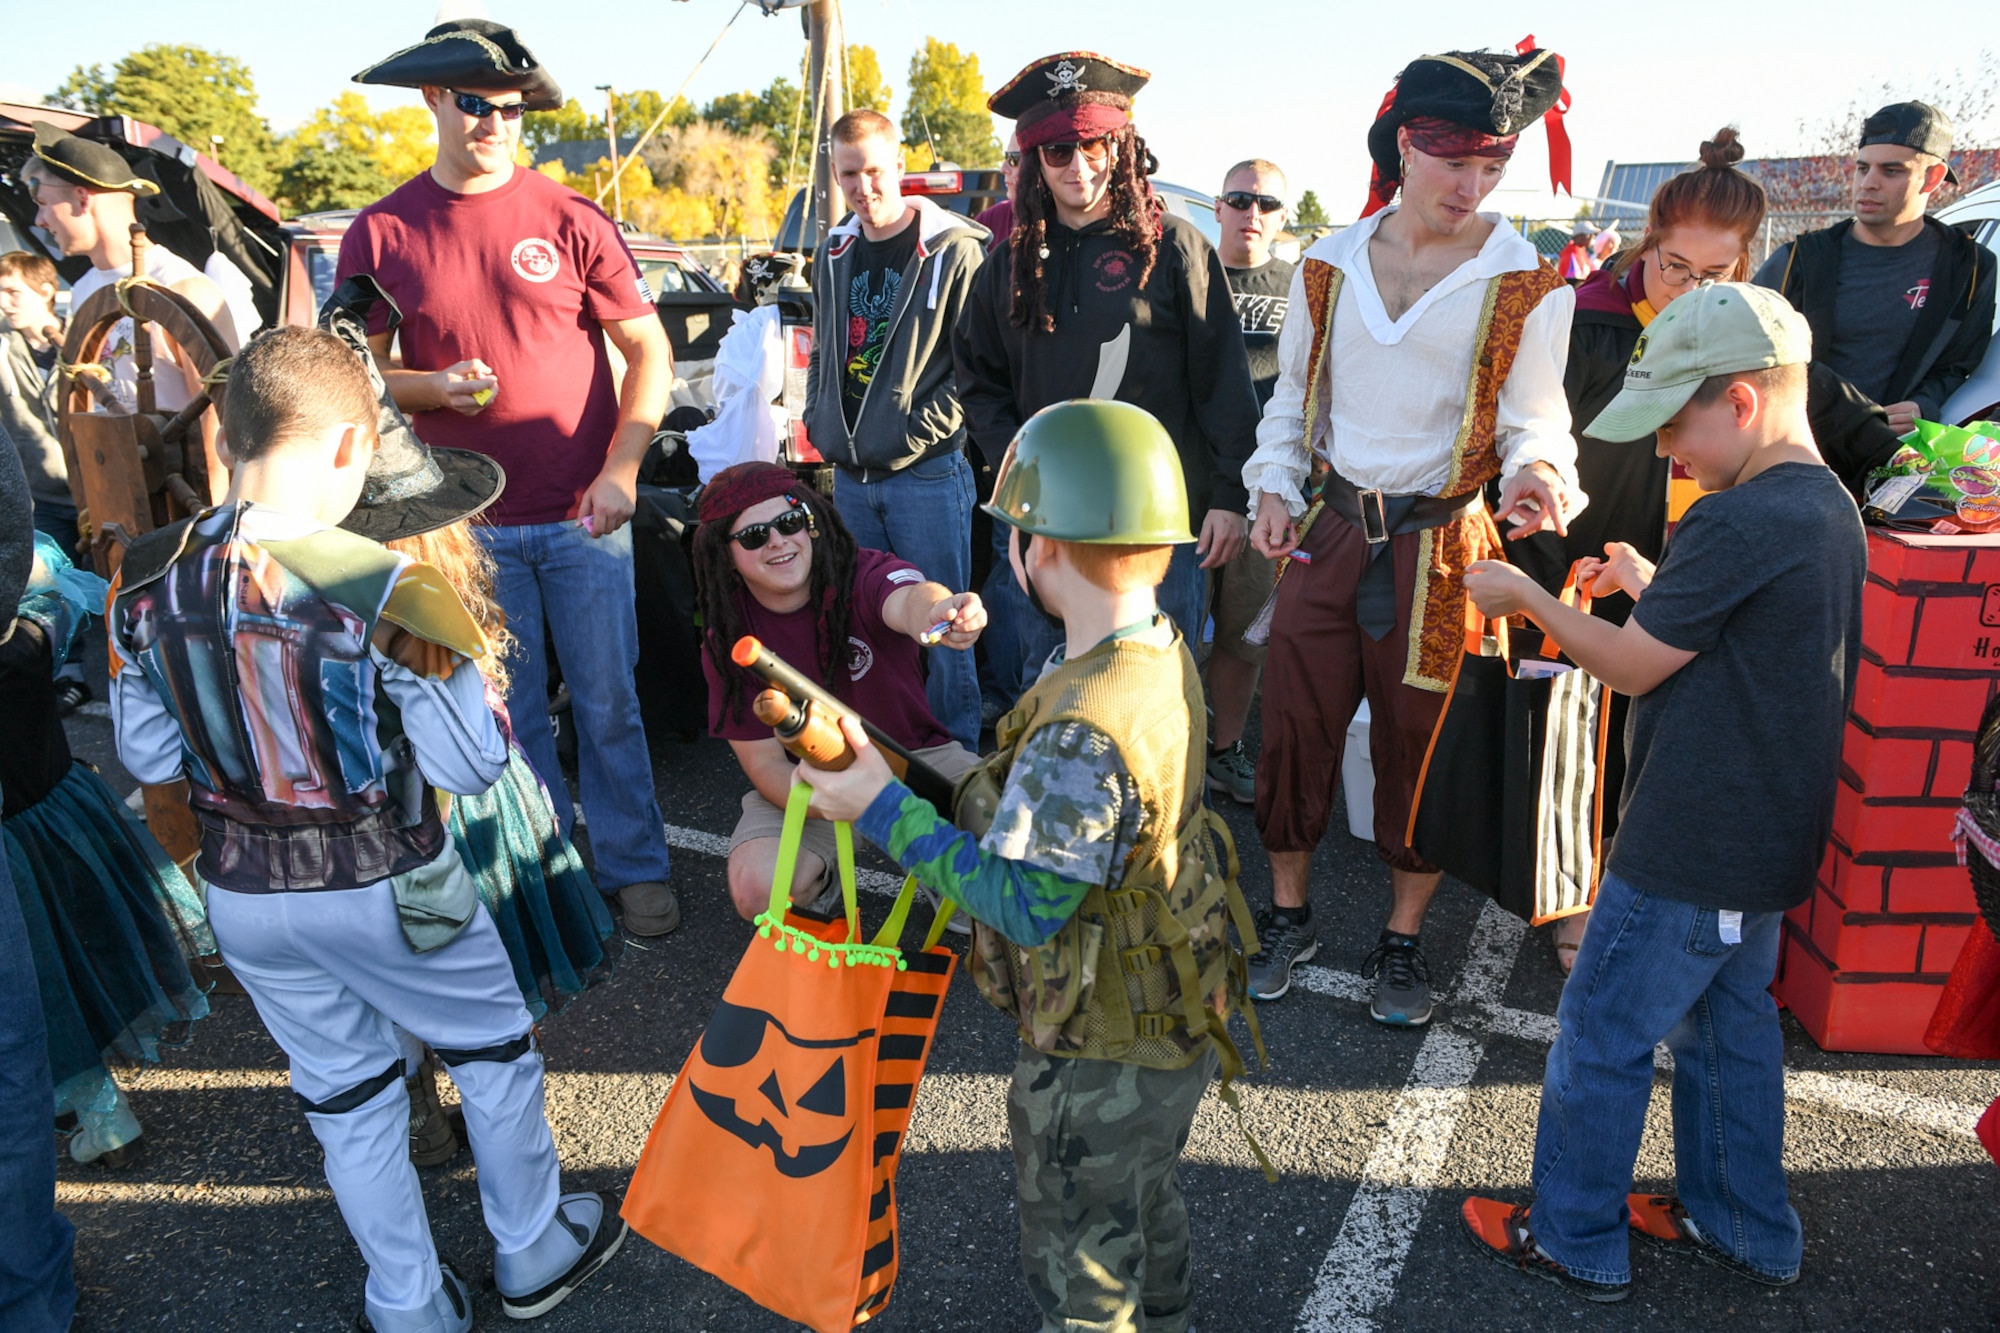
[1135, 217]
[723, 599]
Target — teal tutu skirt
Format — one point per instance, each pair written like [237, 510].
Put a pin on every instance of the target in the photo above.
[551, 917]
[108, 917]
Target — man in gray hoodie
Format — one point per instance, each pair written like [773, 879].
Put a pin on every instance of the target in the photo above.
[888, 285]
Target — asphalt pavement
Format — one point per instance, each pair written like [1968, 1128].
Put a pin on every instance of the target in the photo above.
[227, 1224]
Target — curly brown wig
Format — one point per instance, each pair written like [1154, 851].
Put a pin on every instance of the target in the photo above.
[720, 596]
[458, 554]
[1135, 217]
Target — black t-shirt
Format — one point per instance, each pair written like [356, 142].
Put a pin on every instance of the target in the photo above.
[1262, 295]
[877, 277]
[1733, 759]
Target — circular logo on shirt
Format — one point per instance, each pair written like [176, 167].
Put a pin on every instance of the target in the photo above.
[535, 259]
[1115, 270]
[860, 658]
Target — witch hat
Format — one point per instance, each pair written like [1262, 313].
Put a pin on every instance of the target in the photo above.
[411, 488]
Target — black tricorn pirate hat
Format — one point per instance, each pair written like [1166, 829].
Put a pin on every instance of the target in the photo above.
[1067, 74]
[471, 55]
[1495, 92]
[84, 162]
[411, 488]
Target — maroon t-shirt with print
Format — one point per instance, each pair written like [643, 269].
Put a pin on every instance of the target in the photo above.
[885, 680]
[519, 277]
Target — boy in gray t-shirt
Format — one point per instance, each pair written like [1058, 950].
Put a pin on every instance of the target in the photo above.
[1740, 657]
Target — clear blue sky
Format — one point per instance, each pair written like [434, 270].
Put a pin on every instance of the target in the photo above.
[1293, 80]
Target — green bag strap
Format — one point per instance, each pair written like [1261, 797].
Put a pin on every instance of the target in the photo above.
[947, 909]
[771, 924]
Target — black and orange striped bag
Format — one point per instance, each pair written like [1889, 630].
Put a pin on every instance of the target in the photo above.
[773, 1163]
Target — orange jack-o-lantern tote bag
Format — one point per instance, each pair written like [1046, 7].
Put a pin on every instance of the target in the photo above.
[773, 1163]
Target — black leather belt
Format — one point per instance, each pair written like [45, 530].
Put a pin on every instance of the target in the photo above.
[1379, 517]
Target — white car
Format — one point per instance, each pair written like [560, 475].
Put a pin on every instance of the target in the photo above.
[1978, 399]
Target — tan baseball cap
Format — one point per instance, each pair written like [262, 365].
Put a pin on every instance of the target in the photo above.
[1717, 329]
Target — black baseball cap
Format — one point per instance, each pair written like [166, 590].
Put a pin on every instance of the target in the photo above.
[1917, 125]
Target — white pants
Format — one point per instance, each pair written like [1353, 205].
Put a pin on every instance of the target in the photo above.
[333, 979]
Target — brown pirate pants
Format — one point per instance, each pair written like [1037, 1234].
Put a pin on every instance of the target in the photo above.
[1320, 665]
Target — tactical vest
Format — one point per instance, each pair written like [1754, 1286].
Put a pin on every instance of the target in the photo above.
[1437, 612]
[298, 769]
[1145, 973]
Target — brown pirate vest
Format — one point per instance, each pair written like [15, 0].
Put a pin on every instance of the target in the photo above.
[1145, 974]
[1437, 611]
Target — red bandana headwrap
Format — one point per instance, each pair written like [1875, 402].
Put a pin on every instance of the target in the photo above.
[1070, 124]
[735, 489]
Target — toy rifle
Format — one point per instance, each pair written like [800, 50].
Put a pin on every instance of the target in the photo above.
[805, 718]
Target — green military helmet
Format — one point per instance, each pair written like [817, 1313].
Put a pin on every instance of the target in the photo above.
[1094, 471]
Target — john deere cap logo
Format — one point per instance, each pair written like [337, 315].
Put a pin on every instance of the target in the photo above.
[1638, 349]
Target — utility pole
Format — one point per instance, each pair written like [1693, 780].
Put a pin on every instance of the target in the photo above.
[827, 85]
[611, 135]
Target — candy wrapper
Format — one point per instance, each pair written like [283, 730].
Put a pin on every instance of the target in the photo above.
[1956, 468]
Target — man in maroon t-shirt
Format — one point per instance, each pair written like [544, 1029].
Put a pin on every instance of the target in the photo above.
[773, 559]
[509, 286]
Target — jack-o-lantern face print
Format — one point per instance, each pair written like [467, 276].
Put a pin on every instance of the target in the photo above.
[773, 1090]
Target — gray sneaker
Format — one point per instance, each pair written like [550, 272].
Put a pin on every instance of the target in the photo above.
[1231, 770]
[1282, 944]
[1403, 988]
[960, 923]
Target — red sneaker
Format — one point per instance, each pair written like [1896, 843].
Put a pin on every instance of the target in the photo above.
[1662, 1220]
[1501, 1230]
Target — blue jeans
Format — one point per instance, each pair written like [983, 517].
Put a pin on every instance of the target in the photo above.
[924, 515]
[1019, 638]
[1653, 969]
[37, 1290]
[552, 575]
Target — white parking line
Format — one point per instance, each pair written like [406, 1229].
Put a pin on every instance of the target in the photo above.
[1357, 1280]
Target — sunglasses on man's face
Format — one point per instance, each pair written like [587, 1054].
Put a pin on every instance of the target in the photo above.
[1242, 201]
[788, 524]
[472, 104]
[1056, 156]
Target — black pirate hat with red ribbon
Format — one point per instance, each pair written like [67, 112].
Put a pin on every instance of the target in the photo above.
[1474, 103]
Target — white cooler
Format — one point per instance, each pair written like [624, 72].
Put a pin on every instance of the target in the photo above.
[1357, 777]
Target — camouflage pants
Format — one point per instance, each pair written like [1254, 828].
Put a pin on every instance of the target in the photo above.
[1104, 1231]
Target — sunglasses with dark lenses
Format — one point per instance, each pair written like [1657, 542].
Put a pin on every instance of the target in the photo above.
[788, 524]
[479, 108]
[1011, 159]
[1241, 200]
[1060, 155]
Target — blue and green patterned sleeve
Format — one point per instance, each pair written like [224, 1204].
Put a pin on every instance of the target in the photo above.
[1067, 809]
[1026, 904]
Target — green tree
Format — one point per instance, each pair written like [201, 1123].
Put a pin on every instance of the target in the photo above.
[947, 103]
[192, 93]
[567, 122]
[866, 88]
[1310, 212]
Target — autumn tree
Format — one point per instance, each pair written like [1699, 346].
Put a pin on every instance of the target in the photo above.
[348, 154]
[867, 90]
[947, 106]
[192, 93]
[1820, 178]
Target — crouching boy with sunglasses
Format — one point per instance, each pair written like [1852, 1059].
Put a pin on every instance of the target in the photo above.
[773, 559]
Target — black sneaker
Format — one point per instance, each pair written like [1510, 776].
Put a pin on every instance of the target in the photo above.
[1282, 944]
[71, 695]
[604, 1242]
[1403, 991]
[1232, 772]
